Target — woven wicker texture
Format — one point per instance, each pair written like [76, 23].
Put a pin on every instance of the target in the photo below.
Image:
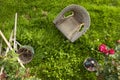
[25, 54]
[75, 25]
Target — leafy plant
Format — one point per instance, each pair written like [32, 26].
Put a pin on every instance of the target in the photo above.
[12, 69]
[110, 70]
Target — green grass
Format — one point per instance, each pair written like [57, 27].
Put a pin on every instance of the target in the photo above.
[55, 57]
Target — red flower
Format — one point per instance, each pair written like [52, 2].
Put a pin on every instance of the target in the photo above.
[103, 48]
[111, 51]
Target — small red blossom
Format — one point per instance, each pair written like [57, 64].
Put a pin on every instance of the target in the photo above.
[111, 51]
[103, 48]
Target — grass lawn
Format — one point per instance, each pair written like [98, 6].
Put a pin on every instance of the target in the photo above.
[56, 58]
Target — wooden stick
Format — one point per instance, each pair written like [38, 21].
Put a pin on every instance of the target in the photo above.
[18, 43]
[8, 44]
[2, 68]
[15, 29]
[10, 40]
[0, 47]
[21, 63]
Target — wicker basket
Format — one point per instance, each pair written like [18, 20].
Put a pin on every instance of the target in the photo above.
[71, 26]
[25, 54]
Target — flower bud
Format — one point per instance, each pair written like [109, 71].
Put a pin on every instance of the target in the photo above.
[111, 51]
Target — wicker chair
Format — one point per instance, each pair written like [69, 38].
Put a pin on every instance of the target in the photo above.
[75, 25]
